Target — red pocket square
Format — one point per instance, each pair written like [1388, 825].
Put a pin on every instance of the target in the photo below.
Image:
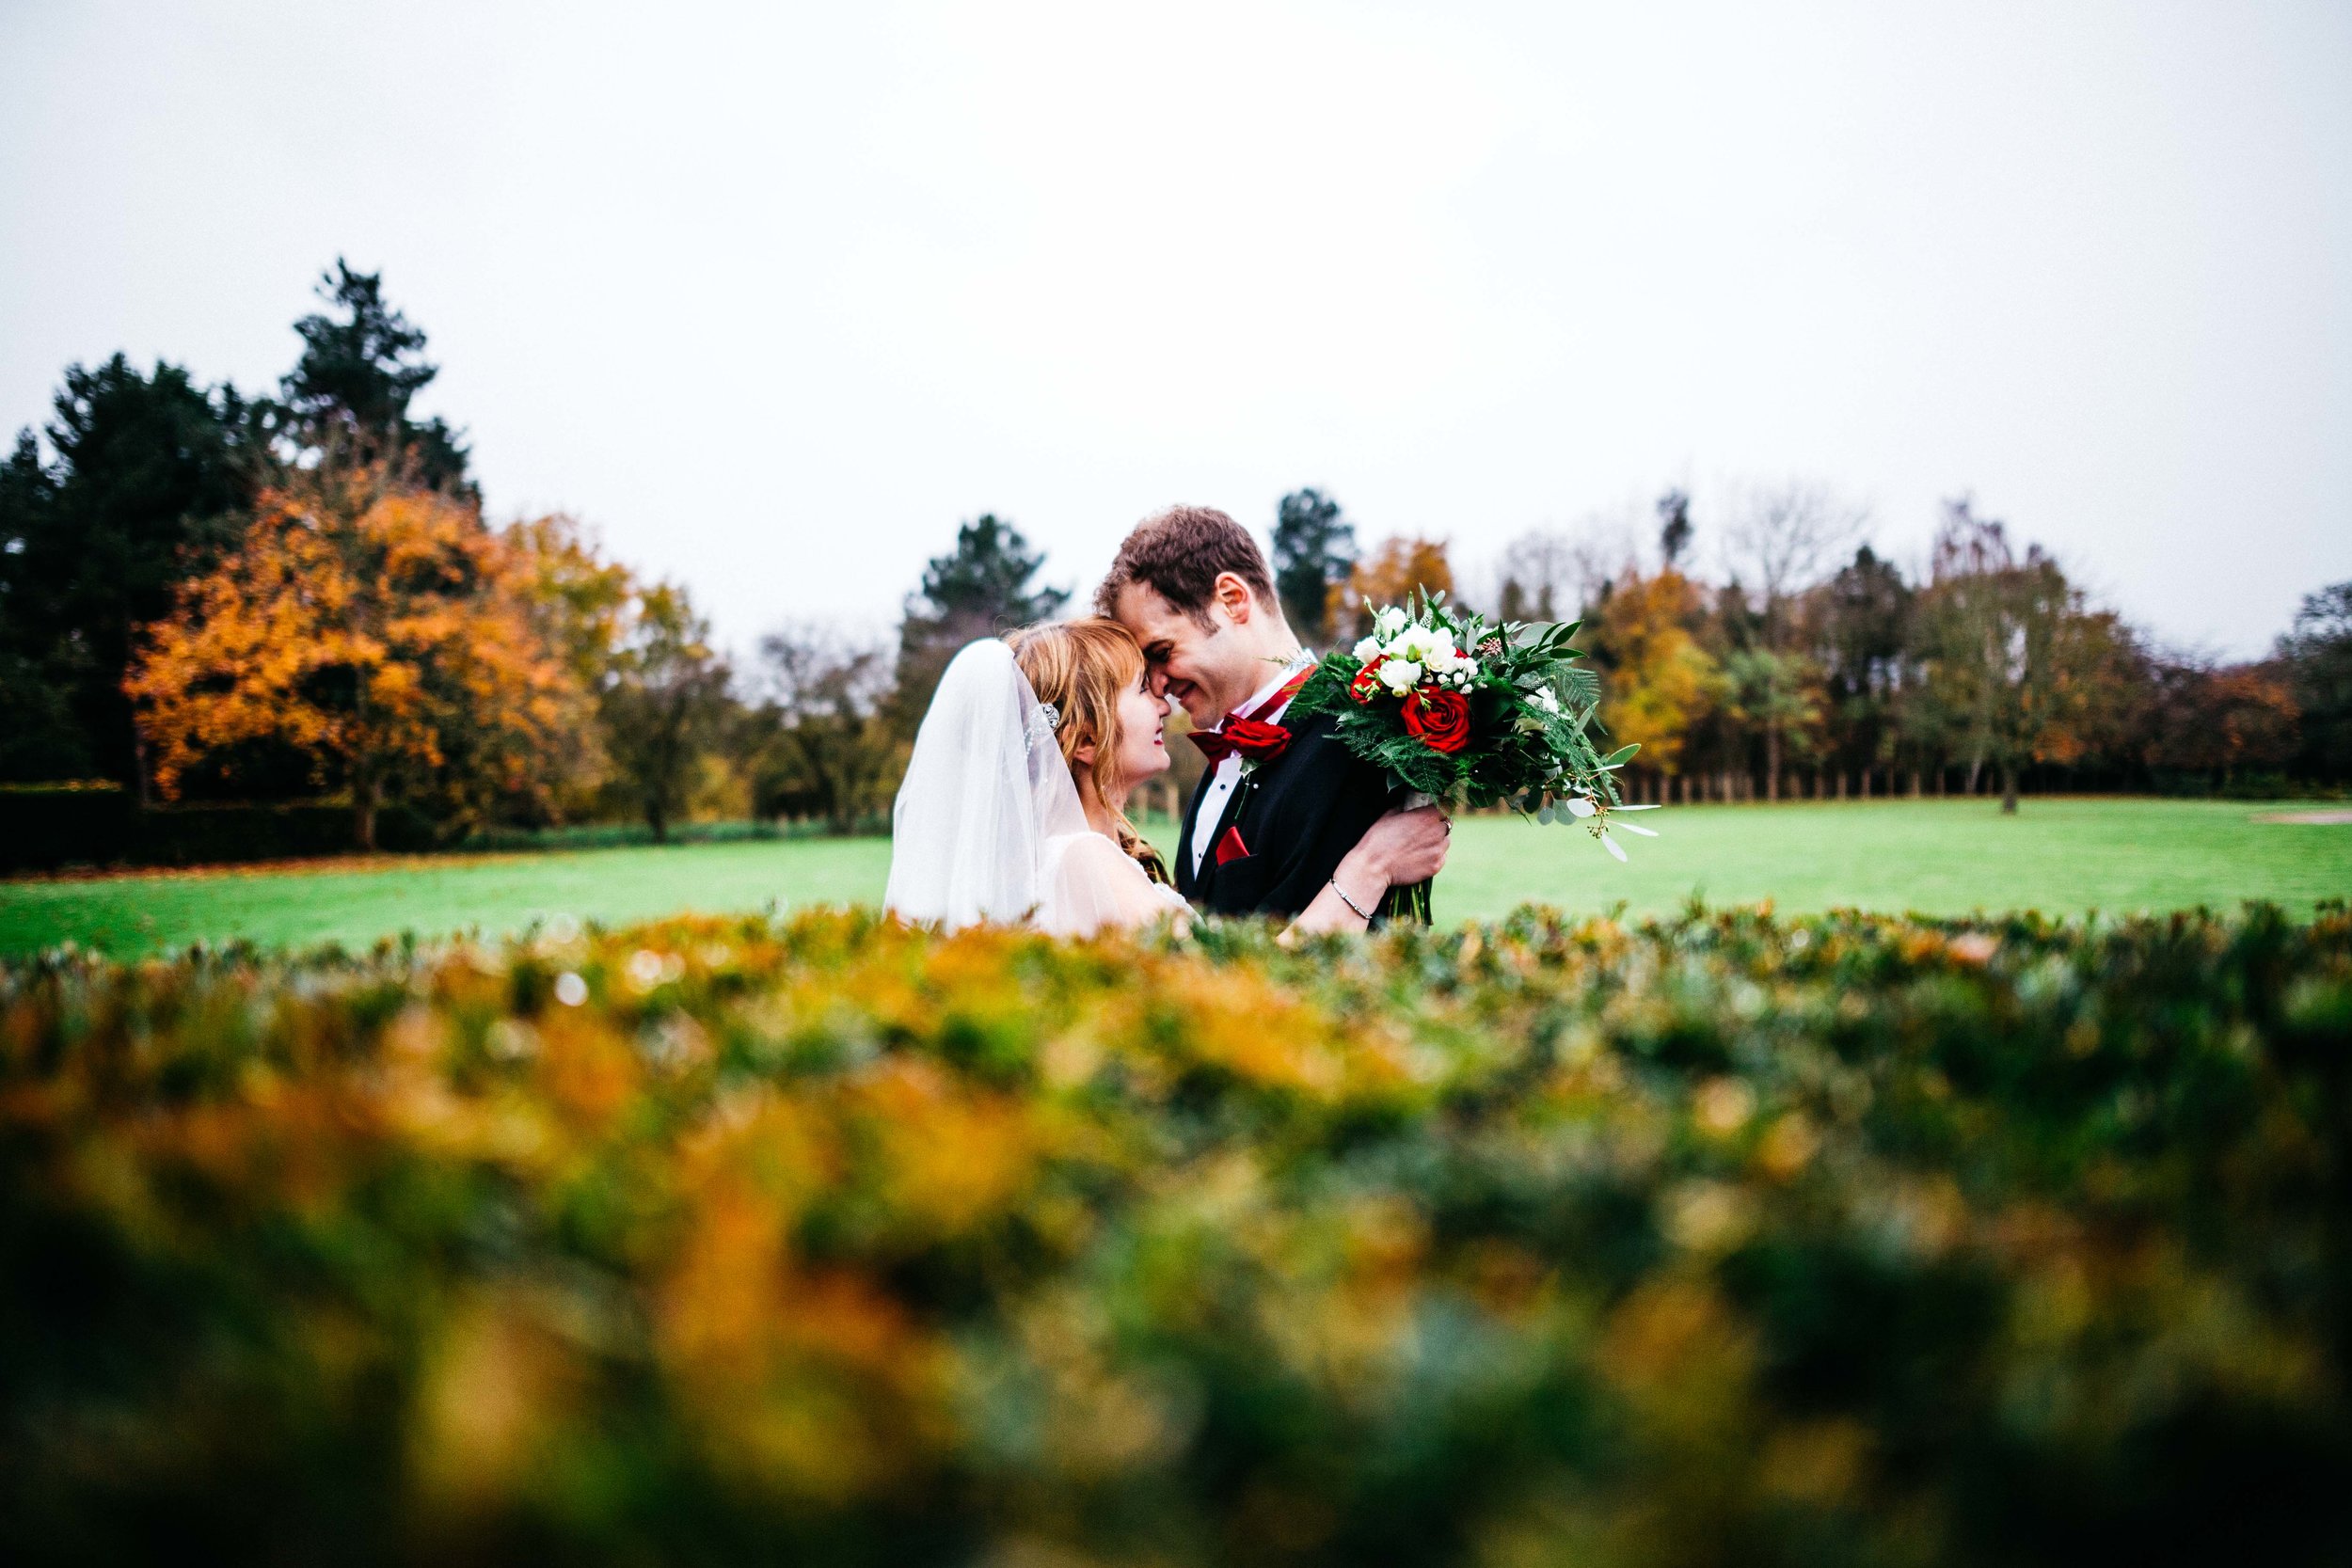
[1230, 847]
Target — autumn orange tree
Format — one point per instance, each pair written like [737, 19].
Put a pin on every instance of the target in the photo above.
[1400, 566]
[379, 631]
[1657, 679]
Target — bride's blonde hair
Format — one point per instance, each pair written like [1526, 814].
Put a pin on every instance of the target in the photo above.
[1083, 667]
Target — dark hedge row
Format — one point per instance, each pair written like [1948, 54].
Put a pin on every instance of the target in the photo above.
[47, 829]
[1725, 1240]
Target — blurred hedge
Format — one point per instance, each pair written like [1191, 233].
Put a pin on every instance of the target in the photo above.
[1725, 1240]
[46, 827]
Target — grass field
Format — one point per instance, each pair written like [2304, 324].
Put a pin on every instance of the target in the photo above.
[1947, 857]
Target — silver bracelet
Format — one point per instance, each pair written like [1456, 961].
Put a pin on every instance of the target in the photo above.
[1350, 902]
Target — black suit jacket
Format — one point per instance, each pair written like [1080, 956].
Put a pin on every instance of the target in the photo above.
[1302, 813]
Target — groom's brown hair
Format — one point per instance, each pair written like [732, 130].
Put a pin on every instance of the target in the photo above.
[1179, 554]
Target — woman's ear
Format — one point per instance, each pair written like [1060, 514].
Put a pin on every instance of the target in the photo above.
[1083, 753]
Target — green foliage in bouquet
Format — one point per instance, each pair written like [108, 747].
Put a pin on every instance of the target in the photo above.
[1473, 713]
[1716, 1240]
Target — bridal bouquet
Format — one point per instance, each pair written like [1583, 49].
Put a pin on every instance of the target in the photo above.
[1460, 709]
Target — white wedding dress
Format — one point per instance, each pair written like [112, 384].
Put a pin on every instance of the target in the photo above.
[988, 826]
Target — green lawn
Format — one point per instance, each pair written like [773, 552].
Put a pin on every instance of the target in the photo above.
[1946, 856]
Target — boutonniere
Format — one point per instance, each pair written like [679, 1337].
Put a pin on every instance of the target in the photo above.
[1251, 761]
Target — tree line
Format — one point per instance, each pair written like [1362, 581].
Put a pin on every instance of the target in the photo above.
[208, 596]
[212, 597]
[1811, 666]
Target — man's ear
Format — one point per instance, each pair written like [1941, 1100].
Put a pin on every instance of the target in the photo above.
[1235, 594]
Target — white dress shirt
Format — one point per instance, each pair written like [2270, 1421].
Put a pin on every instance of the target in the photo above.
[1216, 791]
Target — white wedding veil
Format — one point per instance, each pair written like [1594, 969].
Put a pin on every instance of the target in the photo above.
[986, 797]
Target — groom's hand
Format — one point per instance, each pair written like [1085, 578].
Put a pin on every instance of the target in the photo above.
[1402, 847]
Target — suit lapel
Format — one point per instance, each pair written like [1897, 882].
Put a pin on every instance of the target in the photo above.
[1250, 795]
[1229, 817]
[1195, 886]
[1188, 882]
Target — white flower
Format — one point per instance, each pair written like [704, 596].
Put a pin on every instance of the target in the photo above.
[1543, 698]
[1436, 651]
[1368, 650]
[1400, 675]
[1424, 646]
[1389, 622]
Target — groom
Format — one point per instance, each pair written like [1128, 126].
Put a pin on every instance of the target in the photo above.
[1192, 586]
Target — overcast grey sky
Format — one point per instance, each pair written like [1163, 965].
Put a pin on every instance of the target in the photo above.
[776, 294]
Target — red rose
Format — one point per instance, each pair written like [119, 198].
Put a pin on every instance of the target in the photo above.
[1255, 738]
[1438, 720]
[1366, 685]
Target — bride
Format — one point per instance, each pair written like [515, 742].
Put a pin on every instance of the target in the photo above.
[1014, 804]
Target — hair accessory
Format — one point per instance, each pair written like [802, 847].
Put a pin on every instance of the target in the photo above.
[1051, 714]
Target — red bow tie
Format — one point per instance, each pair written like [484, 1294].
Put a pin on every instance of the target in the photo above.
[1250, 734]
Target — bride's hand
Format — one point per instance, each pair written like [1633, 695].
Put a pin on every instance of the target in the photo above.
[1402, 848]
[1398, 850]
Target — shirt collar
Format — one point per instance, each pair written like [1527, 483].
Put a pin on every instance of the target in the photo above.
[1270, 688]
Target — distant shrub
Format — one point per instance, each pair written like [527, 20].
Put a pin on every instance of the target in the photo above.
[45, 828]
[1725, 1239]
[608, 835]
[2246, 786]
[52, 827]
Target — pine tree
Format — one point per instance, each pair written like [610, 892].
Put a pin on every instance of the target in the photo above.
[350, 391]
[982, 588]
[1314, 551]
[1862, 634]
[2318, 652]
[1674, 528]
[146, 469]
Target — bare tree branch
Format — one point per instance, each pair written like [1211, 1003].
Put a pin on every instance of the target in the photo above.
[1785, 537]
